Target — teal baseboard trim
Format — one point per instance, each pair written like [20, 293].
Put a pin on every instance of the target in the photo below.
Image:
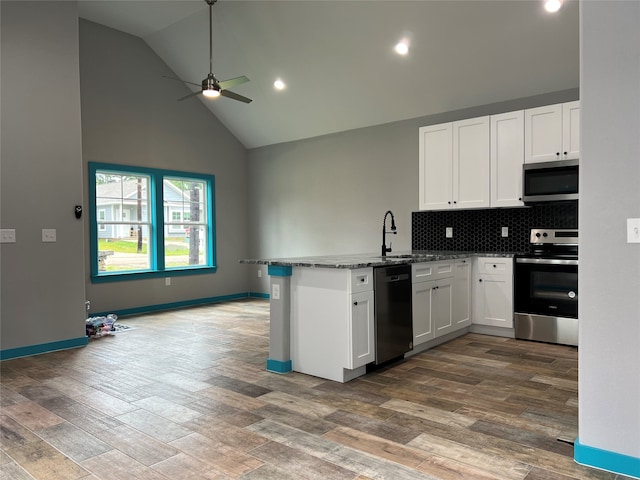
[43, 348]
[605, 460]
[259, 295]
[279, 366]
[175, 305]
[279, 270]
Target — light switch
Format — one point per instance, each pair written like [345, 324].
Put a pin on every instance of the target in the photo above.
[48, 234]
[8, 235]
[275, 292]
[449, 232]
[633, 230]
[505, 231]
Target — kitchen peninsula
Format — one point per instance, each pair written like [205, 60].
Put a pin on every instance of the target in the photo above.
[322, 308]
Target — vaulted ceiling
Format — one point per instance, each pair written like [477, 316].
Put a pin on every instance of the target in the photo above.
[338, 61]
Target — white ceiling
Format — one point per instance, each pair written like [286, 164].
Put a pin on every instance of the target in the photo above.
[338, 61]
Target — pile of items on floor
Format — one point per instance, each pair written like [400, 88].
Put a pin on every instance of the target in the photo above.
[102, 325]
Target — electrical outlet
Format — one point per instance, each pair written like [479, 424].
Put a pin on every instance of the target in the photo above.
[259, 273]
[275, 292]
[449, 232]
[167, 281]
[8, 235]
[505, 231]
[48, 234]
[633, 230]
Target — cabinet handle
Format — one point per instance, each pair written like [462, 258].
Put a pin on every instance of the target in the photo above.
[520, 199]
[449, 203]
[454, 202]
[480, 280]
[565, 153]
[494, 266]
[558, 153]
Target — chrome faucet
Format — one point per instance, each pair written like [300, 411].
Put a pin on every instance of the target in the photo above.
[384, 232]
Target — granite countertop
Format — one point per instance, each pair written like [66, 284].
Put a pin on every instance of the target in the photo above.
[364, 260]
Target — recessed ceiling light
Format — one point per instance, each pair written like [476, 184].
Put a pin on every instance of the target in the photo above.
[402, 47]
[279, 85]
[552, 5]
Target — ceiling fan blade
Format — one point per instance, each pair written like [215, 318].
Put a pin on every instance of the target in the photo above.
[232, 82]
[183, 81]
[235, 96]
[189, 96]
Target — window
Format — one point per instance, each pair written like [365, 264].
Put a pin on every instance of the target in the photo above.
[147, 222]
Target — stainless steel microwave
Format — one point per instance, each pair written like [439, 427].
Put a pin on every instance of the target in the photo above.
[550, 181]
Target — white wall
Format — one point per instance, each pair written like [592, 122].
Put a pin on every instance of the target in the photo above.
[42, 290]
[609, 356]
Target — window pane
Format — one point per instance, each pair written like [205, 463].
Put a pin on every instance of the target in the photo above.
[122, 198]
[185, 215]
[184, 198]
[127, 251]
[189, 250]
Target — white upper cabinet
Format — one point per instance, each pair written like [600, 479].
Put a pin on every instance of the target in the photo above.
[471, 163]
[454, 165]
[507, 157]
[552, 132]
[571, 130]
[436, 166]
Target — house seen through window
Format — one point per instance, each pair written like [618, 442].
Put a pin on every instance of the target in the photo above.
[146, 221]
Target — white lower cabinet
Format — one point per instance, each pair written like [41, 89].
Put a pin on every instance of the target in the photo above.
[421, 304]
[493, 292]
[461, 300]
[332, 322]
[441, 298]
[361, 344]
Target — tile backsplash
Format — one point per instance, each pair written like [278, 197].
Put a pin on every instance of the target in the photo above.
[480, 230]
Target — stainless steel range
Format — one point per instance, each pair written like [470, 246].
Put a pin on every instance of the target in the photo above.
[546, 288]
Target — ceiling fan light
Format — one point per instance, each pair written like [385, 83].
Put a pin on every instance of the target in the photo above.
[211, 93]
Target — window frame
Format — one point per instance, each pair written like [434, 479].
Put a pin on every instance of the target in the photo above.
[157, 224]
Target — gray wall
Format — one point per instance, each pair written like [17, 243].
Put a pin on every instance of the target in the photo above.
[42, 290]
[131, 116]
[328, 195]
[610, 267]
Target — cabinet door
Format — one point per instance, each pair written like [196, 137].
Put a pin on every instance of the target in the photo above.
[471, 163]
[422, 307]
[361, 341]
[461, 308]
[507, 157]
[493, 300]
[441, 307]
[571, 130]
[436, 170]
[543, 133]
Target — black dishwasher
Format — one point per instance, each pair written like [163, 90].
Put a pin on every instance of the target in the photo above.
[392, 311]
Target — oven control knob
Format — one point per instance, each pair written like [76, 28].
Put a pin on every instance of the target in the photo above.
[538, 235]
[572, 294]
[545, 234]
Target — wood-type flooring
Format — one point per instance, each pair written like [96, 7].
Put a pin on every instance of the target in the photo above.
[185, 396]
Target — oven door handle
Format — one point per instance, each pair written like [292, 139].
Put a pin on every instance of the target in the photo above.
[547, 261]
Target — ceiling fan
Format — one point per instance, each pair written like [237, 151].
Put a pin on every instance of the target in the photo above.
[211, 86]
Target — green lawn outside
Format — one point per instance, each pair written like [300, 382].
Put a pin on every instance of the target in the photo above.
[131, 246]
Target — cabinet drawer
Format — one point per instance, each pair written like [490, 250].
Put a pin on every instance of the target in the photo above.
[422, 272]
[495, 266]
[361, 280]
